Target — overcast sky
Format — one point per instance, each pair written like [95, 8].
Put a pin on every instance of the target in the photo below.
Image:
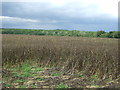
[84, 15]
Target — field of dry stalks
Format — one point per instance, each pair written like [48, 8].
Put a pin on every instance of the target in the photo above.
[90, 56]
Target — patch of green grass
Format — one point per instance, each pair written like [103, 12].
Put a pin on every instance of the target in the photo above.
[38, 69]
[33, 86]
[94, 78]
[81, 75]
[5, 78]
[15, 69]
[34, 75]
[14, 73]
[7, 85]
[61, 85]
[25, 74]
[26, 68]
[97, 86]
[40, 78]
[19, 81]
[55, 74]
[107, 80]
[22, 86]
[22, 74]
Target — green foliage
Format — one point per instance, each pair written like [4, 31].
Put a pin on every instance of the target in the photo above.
[40, 78]
[20, 75]
[81, 75]
[37, 69]
[99, 33]
[94, 78]
[105, 35]
[111, 34]
[114, 34]
[61, 85]
[33, 86]
[26, 68]
[56, 74]
[25, 74]
[95, 86]
[7, 85]
[22, 86]
[19, 81]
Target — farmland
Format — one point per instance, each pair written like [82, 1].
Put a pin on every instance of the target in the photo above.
[32, 61]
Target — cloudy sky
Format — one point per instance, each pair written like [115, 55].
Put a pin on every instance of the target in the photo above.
[84, 15]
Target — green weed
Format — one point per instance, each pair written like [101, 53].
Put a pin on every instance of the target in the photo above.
[7, 85]
[40, 78]
[37, 69]
[34, 75]
[22, 86]
[61, 85]
[26, 68]
[81, 75]
[33, 86]
[94, 78]
[25, 74]
[94, 85]
[19, 81]
[56, 74]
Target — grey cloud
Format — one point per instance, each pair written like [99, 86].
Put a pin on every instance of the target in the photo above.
[70, 16]
[67, 26]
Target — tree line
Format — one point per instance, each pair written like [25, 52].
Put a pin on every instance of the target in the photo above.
[59, 32]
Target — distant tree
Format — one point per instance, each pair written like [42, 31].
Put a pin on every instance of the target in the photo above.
[99, 33]
[110, 34]
[105, 35]
[116, 34]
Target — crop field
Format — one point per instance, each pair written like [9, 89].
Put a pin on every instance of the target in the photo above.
[31, 61]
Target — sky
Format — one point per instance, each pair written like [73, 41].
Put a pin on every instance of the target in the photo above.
[83, 15]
